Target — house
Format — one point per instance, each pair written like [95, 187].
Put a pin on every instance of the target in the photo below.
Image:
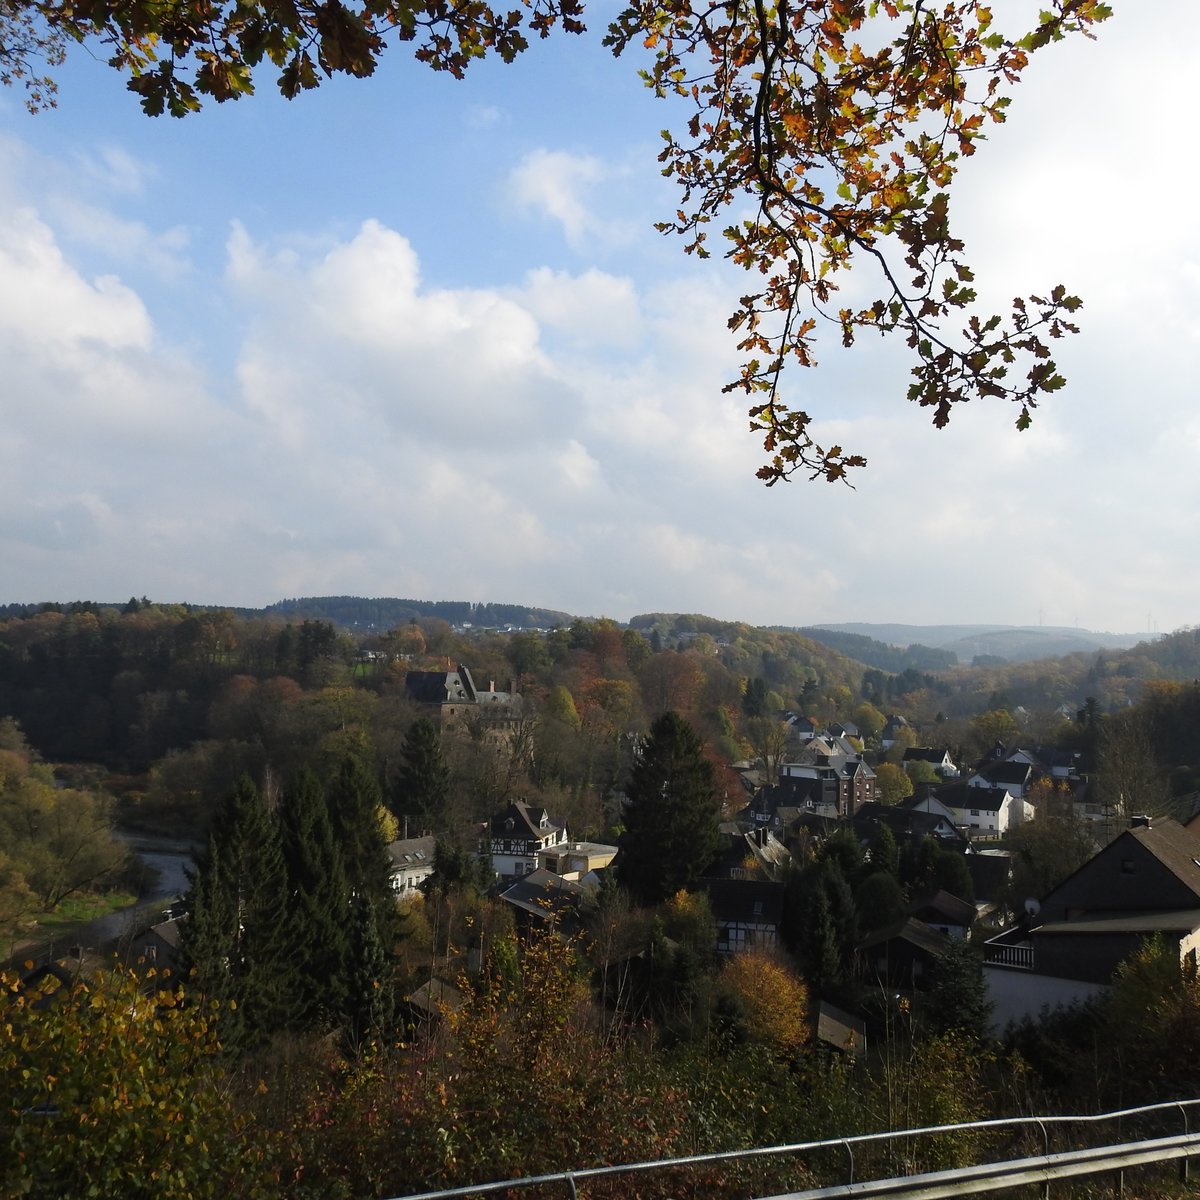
[938, 758]
[904, 955]
[907, 824]
[891, 730]
[518, 835]
[753, 854]
[834, 784]
[544, 900]
[947, 827]
[748, 912]
[158, 946]
[1015, 776]
[411, 863]
[946, 913]
[827, 745]
[983, 809]
[432, 1000]
[456, 695]
[801, 727]
[838, 1031]
[1145, 882]
[574, 860]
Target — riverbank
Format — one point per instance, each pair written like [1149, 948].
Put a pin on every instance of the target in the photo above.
[162, 882]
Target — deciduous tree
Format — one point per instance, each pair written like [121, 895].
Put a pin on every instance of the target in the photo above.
[772, 1000]
[113, 1090]
[892, 783]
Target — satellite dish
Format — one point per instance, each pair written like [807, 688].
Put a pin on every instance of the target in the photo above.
[1033, 906]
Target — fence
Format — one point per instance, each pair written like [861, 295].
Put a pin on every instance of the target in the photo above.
[1025, 1169]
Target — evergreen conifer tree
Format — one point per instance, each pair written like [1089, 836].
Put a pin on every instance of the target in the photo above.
[368, 1001]
[236, 938]
[354, 798]
[424, 779]
[820, 921]
[672, 813]
[208, 937]
[959, 1001]
[319, 903]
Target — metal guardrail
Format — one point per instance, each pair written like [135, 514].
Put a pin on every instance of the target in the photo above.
[1037, 1169]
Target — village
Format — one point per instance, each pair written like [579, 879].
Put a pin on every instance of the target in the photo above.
[411, 850]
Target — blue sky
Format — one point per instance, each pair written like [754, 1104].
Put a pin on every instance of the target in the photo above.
[416, 337]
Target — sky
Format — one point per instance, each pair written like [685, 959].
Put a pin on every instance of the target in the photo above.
[414, 337]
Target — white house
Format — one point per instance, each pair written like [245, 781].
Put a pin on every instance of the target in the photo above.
[517, 836]
[412, 863]
[984, 809]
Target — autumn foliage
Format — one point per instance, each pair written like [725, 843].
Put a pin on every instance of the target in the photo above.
[772, 999]
[113, 1090]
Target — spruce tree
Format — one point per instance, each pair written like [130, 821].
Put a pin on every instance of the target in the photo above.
[354, 799]
[368, 1000]
[820, 924]
[319, 903]
[354, 802]
[423, 782]
[208, 936]
[959, 1001]
[236, 938]
[672, 813]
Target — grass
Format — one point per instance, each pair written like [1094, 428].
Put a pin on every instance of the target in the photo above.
[75, 910]
[59, 924]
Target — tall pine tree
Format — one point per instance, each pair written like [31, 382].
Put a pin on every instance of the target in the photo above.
[235, 943]
[423, 782]
[319, 903]
[355, 802]
[672, 813]
[368, 1004]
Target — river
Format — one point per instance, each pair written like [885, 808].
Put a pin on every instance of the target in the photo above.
[163, 882]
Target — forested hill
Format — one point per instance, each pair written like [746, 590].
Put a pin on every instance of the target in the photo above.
[352, 613]
[883, 655]
[1013, 643]
[385, 612]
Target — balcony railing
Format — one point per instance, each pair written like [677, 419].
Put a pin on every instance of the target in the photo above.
[1017, 955]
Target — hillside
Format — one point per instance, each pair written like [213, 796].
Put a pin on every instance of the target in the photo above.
[383, 613]
[1013, 643]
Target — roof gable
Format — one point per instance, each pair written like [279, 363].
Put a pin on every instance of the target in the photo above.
[1147, 868]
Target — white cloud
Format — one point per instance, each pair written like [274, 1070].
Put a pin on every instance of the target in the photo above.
[567, 188]
[593, 308]
[383, 412]
[162, 252]
[43, 300]
[484, 116]
[113, 169]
